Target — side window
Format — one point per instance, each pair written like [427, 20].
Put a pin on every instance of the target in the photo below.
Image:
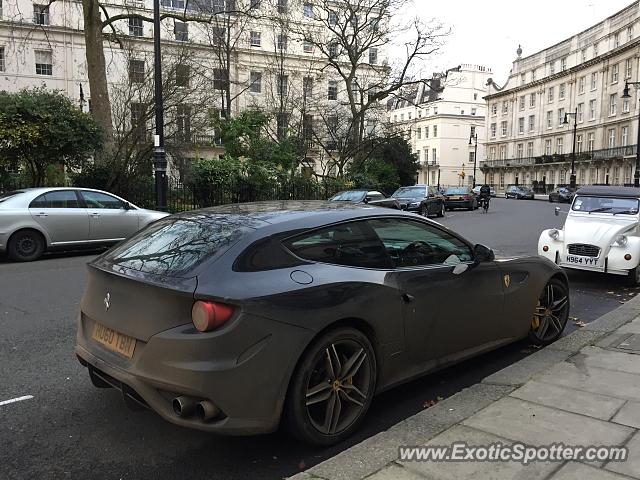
[101, 200]
[56, 199]
[412, 244]
[350, 244]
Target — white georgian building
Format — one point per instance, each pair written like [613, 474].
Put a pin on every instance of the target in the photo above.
[42, 44]
[438, 117]
[527, 141]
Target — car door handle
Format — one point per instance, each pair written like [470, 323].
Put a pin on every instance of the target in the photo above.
[95, 214]
[408, 298]
[42, 214]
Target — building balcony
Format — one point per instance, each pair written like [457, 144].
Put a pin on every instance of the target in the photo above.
[594, 155]
[427, 165]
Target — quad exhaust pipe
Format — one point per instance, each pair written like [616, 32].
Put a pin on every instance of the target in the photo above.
[184, 406]
[205, 410]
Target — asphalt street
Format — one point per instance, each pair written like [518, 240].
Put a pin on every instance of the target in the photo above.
[69, 429]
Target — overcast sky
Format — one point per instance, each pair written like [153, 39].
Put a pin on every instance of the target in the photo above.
[488, 32]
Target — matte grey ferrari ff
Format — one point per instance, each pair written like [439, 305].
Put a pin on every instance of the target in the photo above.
[237, 319]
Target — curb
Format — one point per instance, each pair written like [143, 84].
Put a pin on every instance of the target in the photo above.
[374, 453]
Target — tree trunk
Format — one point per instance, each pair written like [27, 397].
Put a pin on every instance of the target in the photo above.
[96, 70]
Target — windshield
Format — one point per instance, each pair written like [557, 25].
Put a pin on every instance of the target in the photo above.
[410, 192]
[350, 196]
[457, 191]
[6, 195]
[616, 206]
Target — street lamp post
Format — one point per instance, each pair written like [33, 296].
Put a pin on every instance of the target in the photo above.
[159, 155]
[572, 178]
[474, 137]
[625, 94]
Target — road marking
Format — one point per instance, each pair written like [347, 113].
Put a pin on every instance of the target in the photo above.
[19, 399]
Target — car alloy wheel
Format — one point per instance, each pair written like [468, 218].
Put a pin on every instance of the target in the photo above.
[26, 246]
[332, 388]
[441, 212]
[551, 313]
[423, 210]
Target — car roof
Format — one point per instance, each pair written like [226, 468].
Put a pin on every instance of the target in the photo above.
[608, 191]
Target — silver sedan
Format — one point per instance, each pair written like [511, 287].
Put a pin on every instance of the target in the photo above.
[35, 220]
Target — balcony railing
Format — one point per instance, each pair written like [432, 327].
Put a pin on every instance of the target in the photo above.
[431, 164]
[603, 154]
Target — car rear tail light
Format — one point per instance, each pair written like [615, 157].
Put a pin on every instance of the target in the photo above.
[467, 197]
[207, 316]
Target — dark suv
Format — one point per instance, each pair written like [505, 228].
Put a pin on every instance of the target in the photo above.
[422, 199]
[519, 193]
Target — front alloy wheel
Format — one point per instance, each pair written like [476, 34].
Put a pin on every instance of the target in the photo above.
[423, 210]
[332, 388]
[551, 313]
[441, 212]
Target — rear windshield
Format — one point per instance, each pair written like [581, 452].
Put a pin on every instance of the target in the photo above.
[175, 245]
[456, 191]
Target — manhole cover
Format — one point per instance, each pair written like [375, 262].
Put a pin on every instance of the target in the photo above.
[631, 343]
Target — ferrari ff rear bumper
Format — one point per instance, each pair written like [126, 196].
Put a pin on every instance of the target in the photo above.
[243, 369]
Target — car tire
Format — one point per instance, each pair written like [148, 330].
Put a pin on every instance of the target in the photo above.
[551, 313]
[470, 206]
[26, 246]
[550, 199]
[424, 211]
[314, 381]
[633, 277]
[441, 212]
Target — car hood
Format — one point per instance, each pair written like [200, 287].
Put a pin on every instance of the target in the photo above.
[596, 230]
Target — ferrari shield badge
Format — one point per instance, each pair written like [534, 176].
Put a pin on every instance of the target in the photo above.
[507, 280]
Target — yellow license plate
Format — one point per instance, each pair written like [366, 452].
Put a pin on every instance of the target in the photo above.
[114, 341]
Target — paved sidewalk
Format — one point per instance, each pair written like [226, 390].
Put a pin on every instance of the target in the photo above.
[583, 390]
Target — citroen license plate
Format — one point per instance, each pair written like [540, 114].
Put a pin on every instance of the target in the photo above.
[114, 341]
[577, 260]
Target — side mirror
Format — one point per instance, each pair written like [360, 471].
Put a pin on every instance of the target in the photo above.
[367, 199]
[556, 211]
[483, 254]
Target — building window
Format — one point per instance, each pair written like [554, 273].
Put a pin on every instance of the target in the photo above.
[282, 125]
[473, 131]
[521, 102]
[614, 73]
[532, 100]
[549, 119]
[307, 47]
[581, 84]
[532, 123]
[592, 109]
[493, 130]
[426, 154]
[434, 156]
[254, 5]
[492, 153]
[560, 116]
[332, 90]
[494, 109]
[612, 137]
[627, 174]
[529, 149]
[255, 39]
[594, 81]
[613, 103]
[281, 42]
[616, 40]
[138, 122]
[220, 79]
[373, 56]
[627, 68]
[503, 152]
[521, 125]
[332, 49]
[44, 62]
[582, 177]
[183, 72]
[519, 150]
[552, 67]
[624, 136]
[256, 82]
[523, 78]
[591, 139]
[183, 123]
[136, 28]
[282, 82]
[333, 18]
[40, 14]
[533, 75]
[474, 111]
[435, 131]
[629, 33]
[547, 147]
[592, 176]
[136, 71]
[505, 107]
[2, 61]
[419, 133]
[308, 10]
[580, 116]
[578, 143]
[550, 94]
[561, 91]
[503, 129]
[562, 177]
[595, 50]
[307, 88]
[426, 131]
[472, 157]
[282, 6]
[501, 179]
[181, 31]
[563, 64]
[559, 145]
[616, 175]
[583, 55]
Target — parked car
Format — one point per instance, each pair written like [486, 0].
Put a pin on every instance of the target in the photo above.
[562, 194]
[234, 319]
[519, 193]
[423, 199]
[35, 220]
[460, 197]
[600, 233]
[476, 191]
[370, 197]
